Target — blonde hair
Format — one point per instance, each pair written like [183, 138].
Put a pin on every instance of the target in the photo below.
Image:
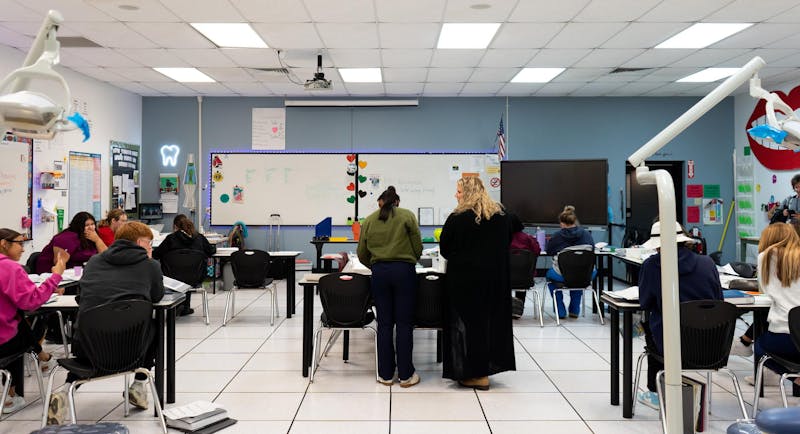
[568, 216]
[475, 198]
[780, 242]
[113, 214]
[132, 231]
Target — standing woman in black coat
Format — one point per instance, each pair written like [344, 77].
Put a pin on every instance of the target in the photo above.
[475, 240]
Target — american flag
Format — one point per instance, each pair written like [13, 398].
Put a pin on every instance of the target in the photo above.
[501, 141]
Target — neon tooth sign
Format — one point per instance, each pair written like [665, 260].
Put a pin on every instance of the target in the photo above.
[169, 155]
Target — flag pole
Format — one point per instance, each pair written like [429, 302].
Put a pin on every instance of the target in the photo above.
[508, 128]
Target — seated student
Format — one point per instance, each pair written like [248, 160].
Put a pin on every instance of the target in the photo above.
[184, 237]
[80, 239]
[698, 279]
[18, 292]
[570, 236]
[109, 225]
[126, 271]
[521, 241]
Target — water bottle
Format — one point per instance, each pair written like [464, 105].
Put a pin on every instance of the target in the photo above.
[540, 237]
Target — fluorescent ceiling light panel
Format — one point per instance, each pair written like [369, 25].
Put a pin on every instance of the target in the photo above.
[231, 35]
[185, 75]
[361, 75]
[709, 75]
[536, 75]
[467, 35]
[702, 35]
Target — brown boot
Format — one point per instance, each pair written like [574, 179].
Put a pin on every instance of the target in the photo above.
[480, 383]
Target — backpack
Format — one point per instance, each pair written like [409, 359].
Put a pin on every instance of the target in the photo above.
[580, 247]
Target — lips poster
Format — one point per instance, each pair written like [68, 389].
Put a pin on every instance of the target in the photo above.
[771, 156]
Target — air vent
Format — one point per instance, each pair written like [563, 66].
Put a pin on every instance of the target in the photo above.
[621, 70]
[77, 41]
[273, 70]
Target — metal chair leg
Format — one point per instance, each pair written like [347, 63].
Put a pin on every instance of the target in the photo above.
[71, 401]
[738, 394]
[6, 376]
[228, 304]
[205, 302]
[759, 379]
[154, 393]
[660, 390]
[47, 395]
[275, 300]
[709, 394]
[63, 333]
[555, 309]
[597, 304]
[125, 395]
[636, 380]
[375, 337]
[541, 309]
[314, 362]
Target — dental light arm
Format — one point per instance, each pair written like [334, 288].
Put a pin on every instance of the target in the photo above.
[786, 131]
[673, 423]
[35, 114]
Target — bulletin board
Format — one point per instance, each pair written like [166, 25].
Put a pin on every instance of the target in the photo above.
[125, 177]
[16, 183]
[84, 184]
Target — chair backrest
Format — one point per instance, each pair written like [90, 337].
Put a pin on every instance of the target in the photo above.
[430, 304]
[30, 264]
[707, 328]
[250, 268]
[115, 336]
[345, 298]
[794, 326]
[576, 267]
[523, 267]
[186, 265]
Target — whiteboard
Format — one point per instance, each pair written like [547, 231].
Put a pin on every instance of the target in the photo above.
[423, 180]
[302, 188]
[15, 183]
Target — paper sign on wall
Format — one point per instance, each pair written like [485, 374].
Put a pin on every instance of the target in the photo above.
[692, 214]
[694, 190]
[711, 191]
[712, 211]
[269, 128]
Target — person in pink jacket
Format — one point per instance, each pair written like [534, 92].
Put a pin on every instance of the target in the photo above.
[18, 292]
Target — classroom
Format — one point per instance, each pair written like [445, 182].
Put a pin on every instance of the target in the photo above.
[275, 135]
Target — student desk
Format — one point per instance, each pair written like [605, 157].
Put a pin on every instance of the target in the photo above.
[318, 244]
[627, 309]
[287, 257]
[165, 318]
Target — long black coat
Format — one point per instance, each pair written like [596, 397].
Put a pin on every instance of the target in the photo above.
[478, 339]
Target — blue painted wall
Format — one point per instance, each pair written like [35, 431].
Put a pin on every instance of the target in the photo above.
[538, 128]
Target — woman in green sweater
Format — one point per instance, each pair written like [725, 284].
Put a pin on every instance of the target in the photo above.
[390, 245]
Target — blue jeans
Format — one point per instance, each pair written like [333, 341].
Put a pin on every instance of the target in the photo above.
[575, 297]
[394, 290]
[779, 344]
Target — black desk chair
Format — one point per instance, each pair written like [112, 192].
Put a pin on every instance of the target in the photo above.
[250, 270]
[346, 305]
[707, 328]
[790, 365]
[6, 375]
[30, 264]
[523, 267]
[430, 306]
[190, 267]
[576, 268]
[115, 338]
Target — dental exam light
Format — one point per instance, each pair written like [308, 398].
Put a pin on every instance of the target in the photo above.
[673, 422]
[786, 131]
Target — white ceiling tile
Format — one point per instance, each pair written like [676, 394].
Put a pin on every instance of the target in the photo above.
[140, 74]
[71, 9]
[393, 11]
[747, 11]
[404, 88]
[682, 10]
[212, 11]
[13, 11]
[408, 35]
[406, 58]
[306, 58]
[489, 75]
[621, 77]
[440, 89]
[525, 35]
[253, 57]
[607, 57]
[770, 72]
[272, 11]
[14, 39]
[211, 89]
[444, 75]
[342, 11]
[581, 74]
[597, 89]
[228, 74]
[148, 10]
[615, 10]
[153, 57]
[654, 58]
[202, 57]
[769, 55]
[790, 16]
[482, 89]
[708, 57]
[287, 36]
[102, 74]
[172, 35]
[287, 88]
[136, 88]
[558, 89]
[561, 58]
[409, 75]
[547, 11]
[583, 35]
[644, 35]
[456, 58]
[497, 57]
[167, 87]
[343, 58]
[111, 34]
[789, 61]
[781, 81]
[758, 35]
[635, 89]
[667, 75]
[359, 35]
[248, 88]
[274, 77]
[519, 89]
[365, 89]
[99, 57]
[461, 11]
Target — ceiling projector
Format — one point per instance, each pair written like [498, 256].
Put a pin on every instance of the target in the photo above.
[318, 82]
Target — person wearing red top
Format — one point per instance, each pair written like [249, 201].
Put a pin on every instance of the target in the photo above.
[521, 241]
[108, 226]
[18, 292]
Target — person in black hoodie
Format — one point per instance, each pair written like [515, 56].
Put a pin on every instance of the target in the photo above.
[125, 271]
[570, 235]
[184, 237]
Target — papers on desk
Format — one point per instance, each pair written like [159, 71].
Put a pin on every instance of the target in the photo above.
[190, 410]
[53, 297]
[734, 296]
[65, 278]
[727, 269]
[225, 251]
[175, 285]
[627, 294]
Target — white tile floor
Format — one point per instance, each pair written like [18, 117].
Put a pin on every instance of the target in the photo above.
[561, 384]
